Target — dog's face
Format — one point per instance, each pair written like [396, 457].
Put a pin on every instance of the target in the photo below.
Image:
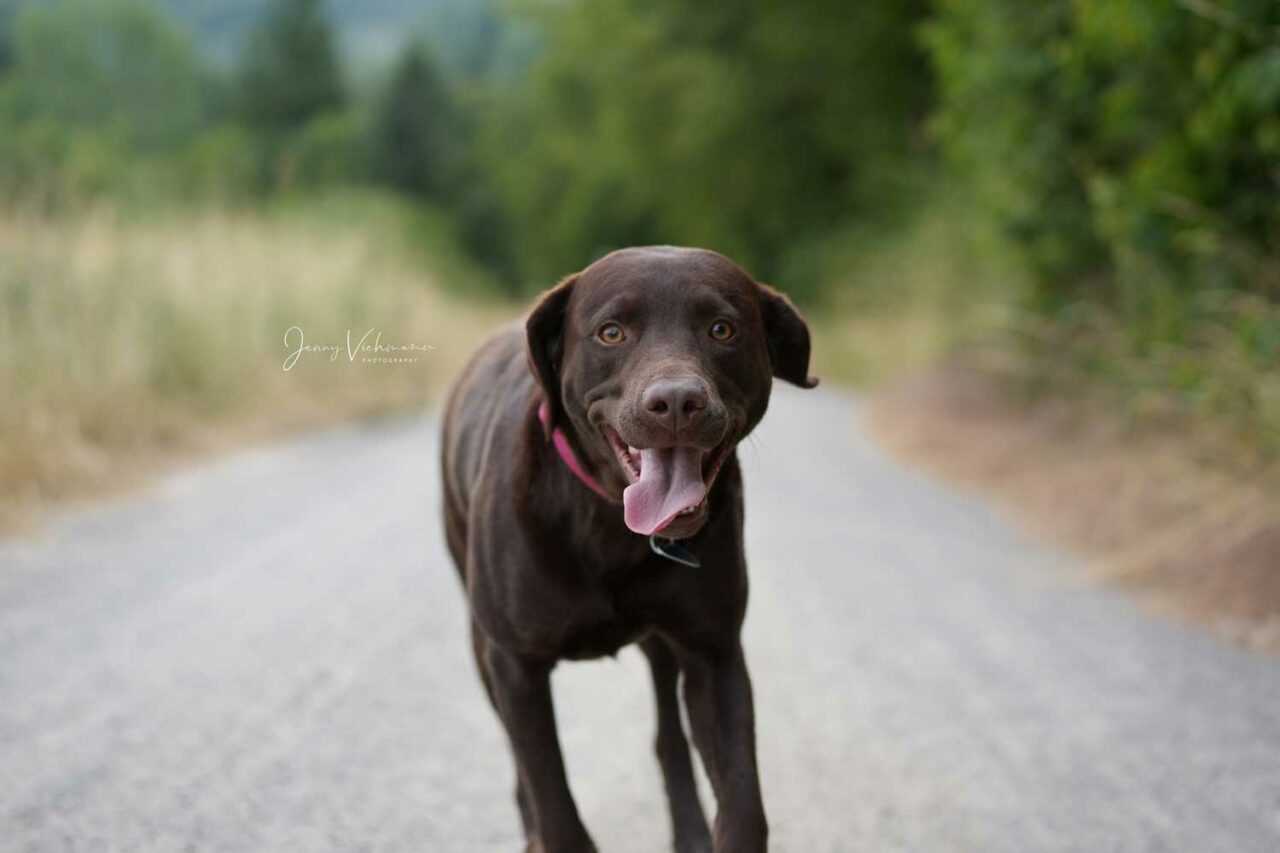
[661, 359]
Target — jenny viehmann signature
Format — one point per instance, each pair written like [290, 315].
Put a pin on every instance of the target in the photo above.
[375, 352]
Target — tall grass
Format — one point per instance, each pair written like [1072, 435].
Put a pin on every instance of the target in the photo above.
[904, 296]
[1158, 459]
[1218, 382]
[947, 286]
[123, 339]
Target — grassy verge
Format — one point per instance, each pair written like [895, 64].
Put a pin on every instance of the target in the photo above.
[1149, 510]
[905, 298]
[126, 339]
[1157, 464]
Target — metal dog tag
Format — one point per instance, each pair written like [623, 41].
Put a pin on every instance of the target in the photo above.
[673, 550]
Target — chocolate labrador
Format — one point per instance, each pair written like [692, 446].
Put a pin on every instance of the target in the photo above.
[592, 499]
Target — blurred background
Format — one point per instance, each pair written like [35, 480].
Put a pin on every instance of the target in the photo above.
[1038, 245]
[1042, 231]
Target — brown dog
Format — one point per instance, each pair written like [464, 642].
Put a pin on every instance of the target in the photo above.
[612, 417]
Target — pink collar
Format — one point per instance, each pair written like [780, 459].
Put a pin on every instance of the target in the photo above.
[561, 442]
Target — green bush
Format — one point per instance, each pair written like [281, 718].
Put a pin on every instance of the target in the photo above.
[219, 165]
[324, 152]
[748, 127]
[417, 137]
[289, 72]
[1129, 146]
[90, 64]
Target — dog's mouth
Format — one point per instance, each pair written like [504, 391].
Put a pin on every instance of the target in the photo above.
[667, 483]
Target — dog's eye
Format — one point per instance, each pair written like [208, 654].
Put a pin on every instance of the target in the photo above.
[721, 330]
[611, 333]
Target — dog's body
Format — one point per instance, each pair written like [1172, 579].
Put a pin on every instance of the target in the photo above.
[666, 350]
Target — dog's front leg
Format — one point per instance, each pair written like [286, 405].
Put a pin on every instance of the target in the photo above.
[689, 824]
[522, 694]
[717, 693]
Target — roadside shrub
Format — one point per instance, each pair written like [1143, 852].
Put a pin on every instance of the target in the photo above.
[326, 151]
[1128, 146]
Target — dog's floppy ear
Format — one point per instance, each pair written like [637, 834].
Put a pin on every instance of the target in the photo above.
[544, 336]
[788, 338]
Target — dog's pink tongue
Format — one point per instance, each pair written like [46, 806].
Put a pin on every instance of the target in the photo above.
[670, 480]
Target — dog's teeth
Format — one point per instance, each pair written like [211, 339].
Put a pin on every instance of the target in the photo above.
[632, 450]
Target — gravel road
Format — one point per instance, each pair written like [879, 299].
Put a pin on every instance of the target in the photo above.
[268, 653]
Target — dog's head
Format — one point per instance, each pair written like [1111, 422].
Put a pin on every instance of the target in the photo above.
[661, 360]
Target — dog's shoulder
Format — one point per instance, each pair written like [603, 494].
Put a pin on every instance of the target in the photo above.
[488, 402]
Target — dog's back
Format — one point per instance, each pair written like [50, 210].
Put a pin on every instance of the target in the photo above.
[482, 409]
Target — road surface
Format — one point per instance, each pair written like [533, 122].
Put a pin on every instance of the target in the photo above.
[269, 653]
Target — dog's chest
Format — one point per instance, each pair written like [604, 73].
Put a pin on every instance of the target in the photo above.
[600, 635]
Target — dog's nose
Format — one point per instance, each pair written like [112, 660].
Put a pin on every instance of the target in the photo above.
[675, 403]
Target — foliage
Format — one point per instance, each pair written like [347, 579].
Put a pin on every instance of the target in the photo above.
[220, 165]
[1129, 150]
[749, 127]
[288, 81]
[289, 73]
[91, 84]
[1128, 145]
[96, 64]
[465, 35]
[417, 137]
[8, 8]
[1126, 149]
[327, 150]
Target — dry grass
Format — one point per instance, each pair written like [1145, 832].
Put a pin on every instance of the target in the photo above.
[123, 343]
[904, 300]
[1148, 510]
[1157, 465]
[862, 347]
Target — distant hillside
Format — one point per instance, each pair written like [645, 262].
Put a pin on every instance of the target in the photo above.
[463, 33]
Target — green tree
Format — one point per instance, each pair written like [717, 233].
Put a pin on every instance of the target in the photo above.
[417, 135]
[1129, 146]
[289, 72]
[7, 14]
[106, 65]
[752, 127]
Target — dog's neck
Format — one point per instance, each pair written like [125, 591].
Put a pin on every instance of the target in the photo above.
[570, 459]
[660, 545]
